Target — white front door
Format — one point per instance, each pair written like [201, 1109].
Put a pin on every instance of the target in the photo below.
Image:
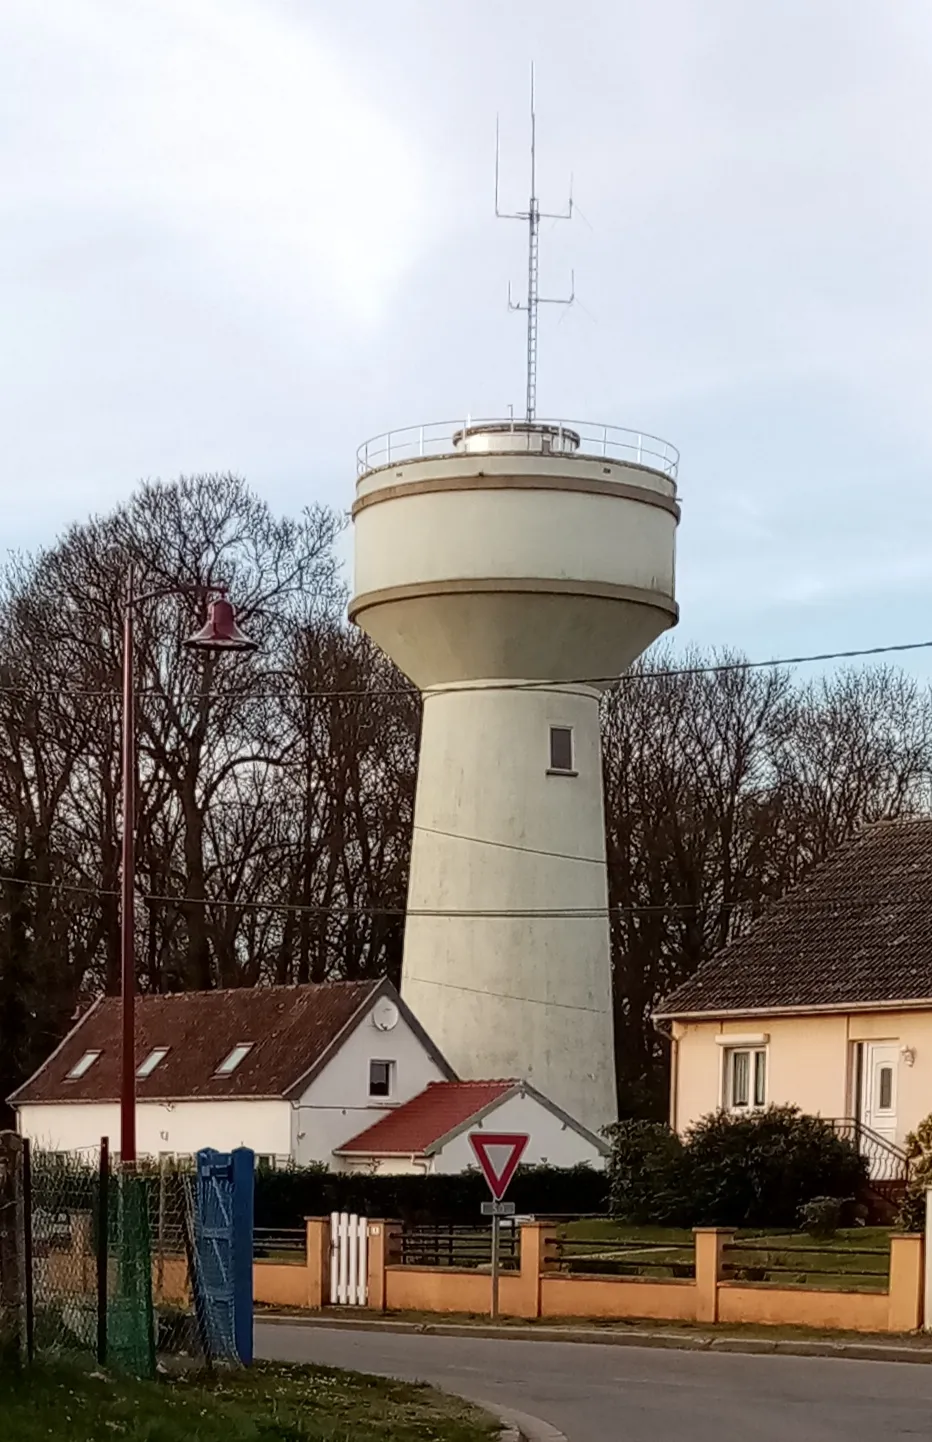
[878, 1089]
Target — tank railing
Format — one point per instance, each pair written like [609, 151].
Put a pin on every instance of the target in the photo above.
[588, 438]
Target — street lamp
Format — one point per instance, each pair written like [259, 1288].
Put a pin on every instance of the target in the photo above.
[220, 633]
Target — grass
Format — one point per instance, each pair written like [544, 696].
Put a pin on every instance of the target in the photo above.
[856, 1259]
[265, 1403]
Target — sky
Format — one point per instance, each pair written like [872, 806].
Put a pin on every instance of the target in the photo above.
[249, 234]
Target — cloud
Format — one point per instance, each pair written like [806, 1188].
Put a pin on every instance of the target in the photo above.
[217, 125]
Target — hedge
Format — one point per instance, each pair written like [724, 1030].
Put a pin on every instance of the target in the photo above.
[285, 1198]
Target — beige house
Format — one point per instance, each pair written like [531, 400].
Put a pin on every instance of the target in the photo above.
[825, 1003]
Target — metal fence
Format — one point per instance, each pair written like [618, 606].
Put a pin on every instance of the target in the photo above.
[280, 1244]
[128, 1265]
[796, 1260]
[450, 1245]
[601, 1247]
[627, 1257]
[110, 1260]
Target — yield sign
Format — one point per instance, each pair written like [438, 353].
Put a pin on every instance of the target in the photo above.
[498, 1154]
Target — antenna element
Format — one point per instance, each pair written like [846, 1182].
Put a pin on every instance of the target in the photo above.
[533, 216]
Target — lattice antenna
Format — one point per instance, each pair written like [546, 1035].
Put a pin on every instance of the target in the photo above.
[533, 217]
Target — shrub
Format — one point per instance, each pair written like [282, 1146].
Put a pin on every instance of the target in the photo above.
[821, 1217]
[647, 1174]
[759, 1170]
[912, 1215]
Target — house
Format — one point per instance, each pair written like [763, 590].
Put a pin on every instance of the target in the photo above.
[825, 1002]
[430, 1133]
[340, 1073]
[288, 1071]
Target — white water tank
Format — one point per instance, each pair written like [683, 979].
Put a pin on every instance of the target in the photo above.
[511, 569]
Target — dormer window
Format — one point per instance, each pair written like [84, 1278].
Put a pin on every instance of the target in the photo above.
[157, 1054]
[230, 1062]
[82, 1067]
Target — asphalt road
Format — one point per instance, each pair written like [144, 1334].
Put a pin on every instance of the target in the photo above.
[627, 1394]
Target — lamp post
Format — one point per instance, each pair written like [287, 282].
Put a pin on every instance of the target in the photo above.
[220, 633]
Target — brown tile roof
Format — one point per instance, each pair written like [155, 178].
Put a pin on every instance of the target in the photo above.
[858, 930]
[444, 1107]
[291, 1028]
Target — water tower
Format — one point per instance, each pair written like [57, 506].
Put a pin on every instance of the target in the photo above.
[511, 568]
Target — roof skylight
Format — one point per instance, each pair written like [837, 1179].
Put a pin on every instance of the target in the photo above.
[82, 1067]
[156, 1055]
[232, 1061]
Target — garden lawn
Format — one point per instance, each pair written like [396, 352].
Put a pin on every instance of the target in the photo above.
[264, 1403]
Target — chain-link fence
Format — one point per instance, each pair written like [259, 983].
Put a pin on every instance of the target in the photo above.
[65, 1213]
[114, 1261]
[172, 1225]
[126, 1266]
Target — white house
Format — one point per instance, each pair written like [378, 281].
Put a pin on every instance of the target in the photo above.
[430, 1133]
[288, 1071]
[340, 1073]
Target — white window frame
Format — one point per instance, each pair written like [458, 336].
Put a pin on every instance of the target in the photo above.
[757, 1068]
[234, 1058]
[561, 770]
[155, 1058]
[380, 1096]
[83, 1065]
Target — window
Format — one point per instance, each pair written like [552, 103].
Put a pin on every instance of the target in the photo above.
[231, 1062]
[561, 749]
[152, 1061]
[745, 1078]
[885, 1089]
[82, 1067]
[381, 1075]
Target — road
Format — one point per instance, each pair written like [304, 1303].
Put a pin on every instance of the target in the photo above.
[632, 1394]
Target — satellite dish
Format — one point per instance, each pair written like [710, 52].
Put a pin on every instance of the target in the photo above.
[384, 1014]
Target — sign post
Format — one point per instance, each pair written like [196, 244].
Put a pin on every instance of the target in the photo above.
[498, 1154]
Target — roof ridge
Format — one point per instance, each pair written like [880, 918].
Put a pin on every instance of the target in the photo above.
[266, 990]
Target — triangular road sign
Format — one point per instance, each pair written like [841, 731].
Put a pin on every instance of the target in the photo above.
[498, 1154]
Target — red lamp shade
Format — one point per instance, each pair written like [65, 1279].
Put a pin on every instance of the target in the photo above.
[220, 632]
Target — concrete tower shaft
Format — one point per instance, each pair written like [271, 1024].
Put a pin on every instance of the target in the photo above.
[503, 565]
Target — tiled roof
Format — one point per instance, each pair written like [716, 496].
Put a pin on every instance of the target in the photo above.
[858, 930]
[291, 1027]
[410, 1129]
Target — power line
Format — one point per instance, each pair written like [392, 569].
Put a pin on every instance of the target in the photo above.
[508, 914]
[365, 693]
[506, 995]
[510, 845]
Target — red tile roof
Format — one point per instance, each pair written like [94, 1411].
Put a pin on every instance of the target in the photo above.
[442, 1108]
[291, 1028]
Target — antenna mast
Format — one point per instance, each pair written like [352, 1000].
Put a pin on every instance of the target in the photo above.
[533, 216]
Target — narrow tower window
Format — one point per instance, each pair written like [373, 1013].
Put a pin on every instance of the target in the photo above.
[561, 750]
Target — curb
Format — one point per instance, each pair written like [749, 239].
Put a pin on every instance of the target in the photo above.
[521, 1427]
[675, 1341]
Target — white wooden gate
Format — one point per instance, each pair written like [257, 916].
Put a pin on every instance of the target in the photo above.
[349, 1260]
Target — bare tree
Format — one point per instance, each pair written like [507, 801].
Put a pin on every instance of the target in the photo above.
[722, 788]
[276, 792]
